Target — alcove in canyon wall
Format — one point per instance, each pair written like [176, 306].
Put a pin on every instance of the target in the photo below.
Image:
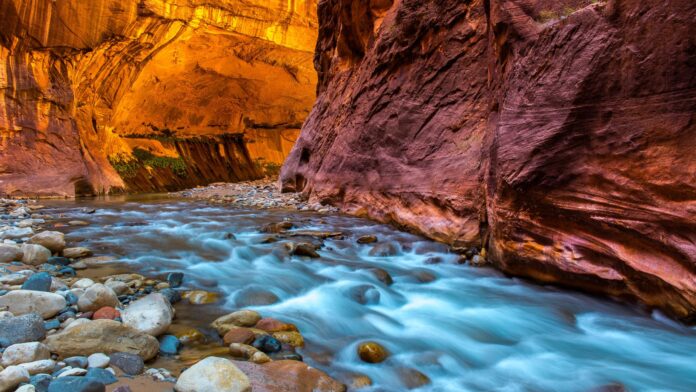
[105, 96]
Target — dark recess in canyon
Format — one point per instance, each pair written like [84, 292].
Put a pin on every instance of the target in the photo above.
[559, 133]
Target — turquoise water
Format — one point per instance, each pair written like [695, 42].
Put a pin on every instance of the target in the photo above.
[466, 329]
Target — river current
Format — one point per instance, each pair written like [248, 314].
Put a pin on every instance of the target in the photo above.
[465, 328]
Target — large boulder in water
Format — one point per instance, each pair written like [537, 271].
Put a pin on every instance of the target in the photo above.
[53, 240]
[102, 336]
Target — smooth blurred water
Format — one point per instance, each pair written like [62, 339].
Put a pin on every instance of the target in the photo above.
[468, 329]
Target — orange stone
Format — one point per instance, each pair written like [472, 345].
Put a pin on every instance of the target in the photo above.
[272, 325]
[106, 313]
[239, 335]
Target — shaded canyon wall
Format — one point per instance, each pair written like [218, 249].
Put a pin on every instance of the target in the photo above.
[105, 96]
[559, 135]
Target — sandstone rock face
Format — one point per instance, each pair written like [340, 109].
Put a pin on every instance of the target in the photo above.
[134, 95]
[558, 135]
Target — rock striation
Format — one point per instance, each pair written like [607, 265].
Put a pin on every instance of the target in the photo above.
[142, 95]
[557, 135]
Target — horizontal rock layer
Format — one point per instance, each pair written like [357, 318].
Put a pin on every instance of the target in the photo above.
[558, 135]
[85, 84]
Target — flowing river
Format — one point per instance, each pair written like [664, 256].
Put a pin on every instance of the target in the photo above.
[464, 328]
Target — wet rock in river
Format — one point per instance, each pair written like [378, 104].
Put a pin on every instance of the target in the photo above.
[239, 335]
[250, 353]
[169, 345]
[21, 302]
[367, 239]
[384, 249]
[213, 374]
[382, 275]
[254, 296]
[20, 329]
[372, 352]
[76, 253]
[275, 228]
[302, 249]
[200, 297]
[412, 378]
[152, 314]
[289, 376]
[364, 294]
[175, 279]
[267, 343]
[53, 240]
[241, 318]
[105, 336]
[272, 325]
[293, 338]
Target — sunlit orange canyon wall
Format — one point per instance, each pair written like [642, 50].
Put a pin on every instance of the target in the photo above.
[106, 96]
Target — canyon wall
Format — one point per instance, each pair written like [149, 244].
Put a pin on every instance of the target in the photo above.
[558, 135]
[103, 96]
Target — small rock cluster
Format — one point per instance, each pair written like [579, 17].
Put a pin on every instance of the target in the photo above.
[263, 194]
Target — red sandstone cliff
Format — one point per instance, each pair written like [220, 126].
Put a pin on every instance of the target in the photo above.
[141, 95]
[560, 135]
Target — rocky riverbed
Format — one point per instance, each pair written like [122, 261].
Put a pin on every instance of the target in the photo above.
[62, 332]
[263, 193]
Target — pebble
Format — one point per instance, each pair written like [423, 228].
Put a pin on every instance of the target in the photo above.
[382, 275]
[367, 239]
[59, 260]
[175, 279]
[52, 324]
[106, 313]
[26, 388]
[77, 362]
[200, 297]
[38, 282]
[268, 344]
[239, 335]
[384, 249]
[169, 345]
[173, 296]
[372, 352]
[241, 318]
[83, 283]
[250, 353]
[77, 252]
[98, 360]
[272, 325]
[213, 374]
[131, 364]
[68, 371]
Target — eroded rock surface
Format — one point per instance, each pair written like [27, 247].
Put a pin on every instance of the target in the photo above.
[107, 95]
[557, 135]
